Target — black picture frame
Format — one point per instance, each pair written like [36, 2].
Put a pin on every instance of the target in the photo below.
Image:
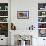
[22, 14]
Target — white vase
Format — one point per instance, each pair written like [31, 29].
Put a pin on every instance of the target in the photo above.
[22, 43]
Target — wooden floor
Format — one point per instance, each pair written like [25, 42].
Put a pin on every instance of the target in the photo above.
[3, 45]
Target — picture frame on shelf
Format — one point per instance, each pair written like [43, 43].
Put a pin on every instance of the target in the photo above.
[42, 33]
[22, 14]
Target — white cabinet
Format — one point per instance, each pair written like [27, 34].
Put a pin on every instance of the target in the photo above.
[41, 24]
[41, 41]
[3, 40]
[4, 21]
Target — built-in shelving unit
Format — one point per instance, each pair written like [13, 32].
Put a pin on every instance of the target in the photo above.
[42, 19]
[4, 19]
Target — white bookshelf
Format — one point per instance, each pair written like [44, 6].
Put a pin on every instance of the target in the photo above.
[41, 22]
[3, 10]
[42, 10]
[7, 23]
[41, 28]
[42, 18]
[3, 22]
[4, 18]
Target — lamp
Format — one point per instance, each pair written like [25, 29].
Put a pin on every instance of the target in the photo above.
[23, 37]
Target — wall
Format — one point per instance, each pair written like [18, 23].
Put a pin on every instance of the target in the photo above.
[23, 24]
[25, 5]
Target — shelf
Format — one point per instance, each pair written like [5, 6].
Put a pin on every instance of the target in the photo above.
[3, 10]
[41, 28]
[41, 22]
[42, 16]
[3, 22]
[41, 10]
[3, 16]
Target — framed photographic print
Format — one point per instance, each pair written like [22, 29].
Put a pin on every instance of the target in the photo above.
[42, 32]
[22, 14]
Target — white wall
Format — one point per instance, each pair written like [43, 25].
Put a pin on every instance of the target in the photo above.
[23, 24]
[23, 5]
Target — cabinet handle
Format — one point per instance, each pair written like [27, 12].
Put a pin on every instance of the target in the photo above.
[43, 39]
[1, 39]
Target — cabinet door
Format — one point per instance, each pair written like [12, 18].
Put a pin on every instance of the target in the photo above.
[41, 41]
